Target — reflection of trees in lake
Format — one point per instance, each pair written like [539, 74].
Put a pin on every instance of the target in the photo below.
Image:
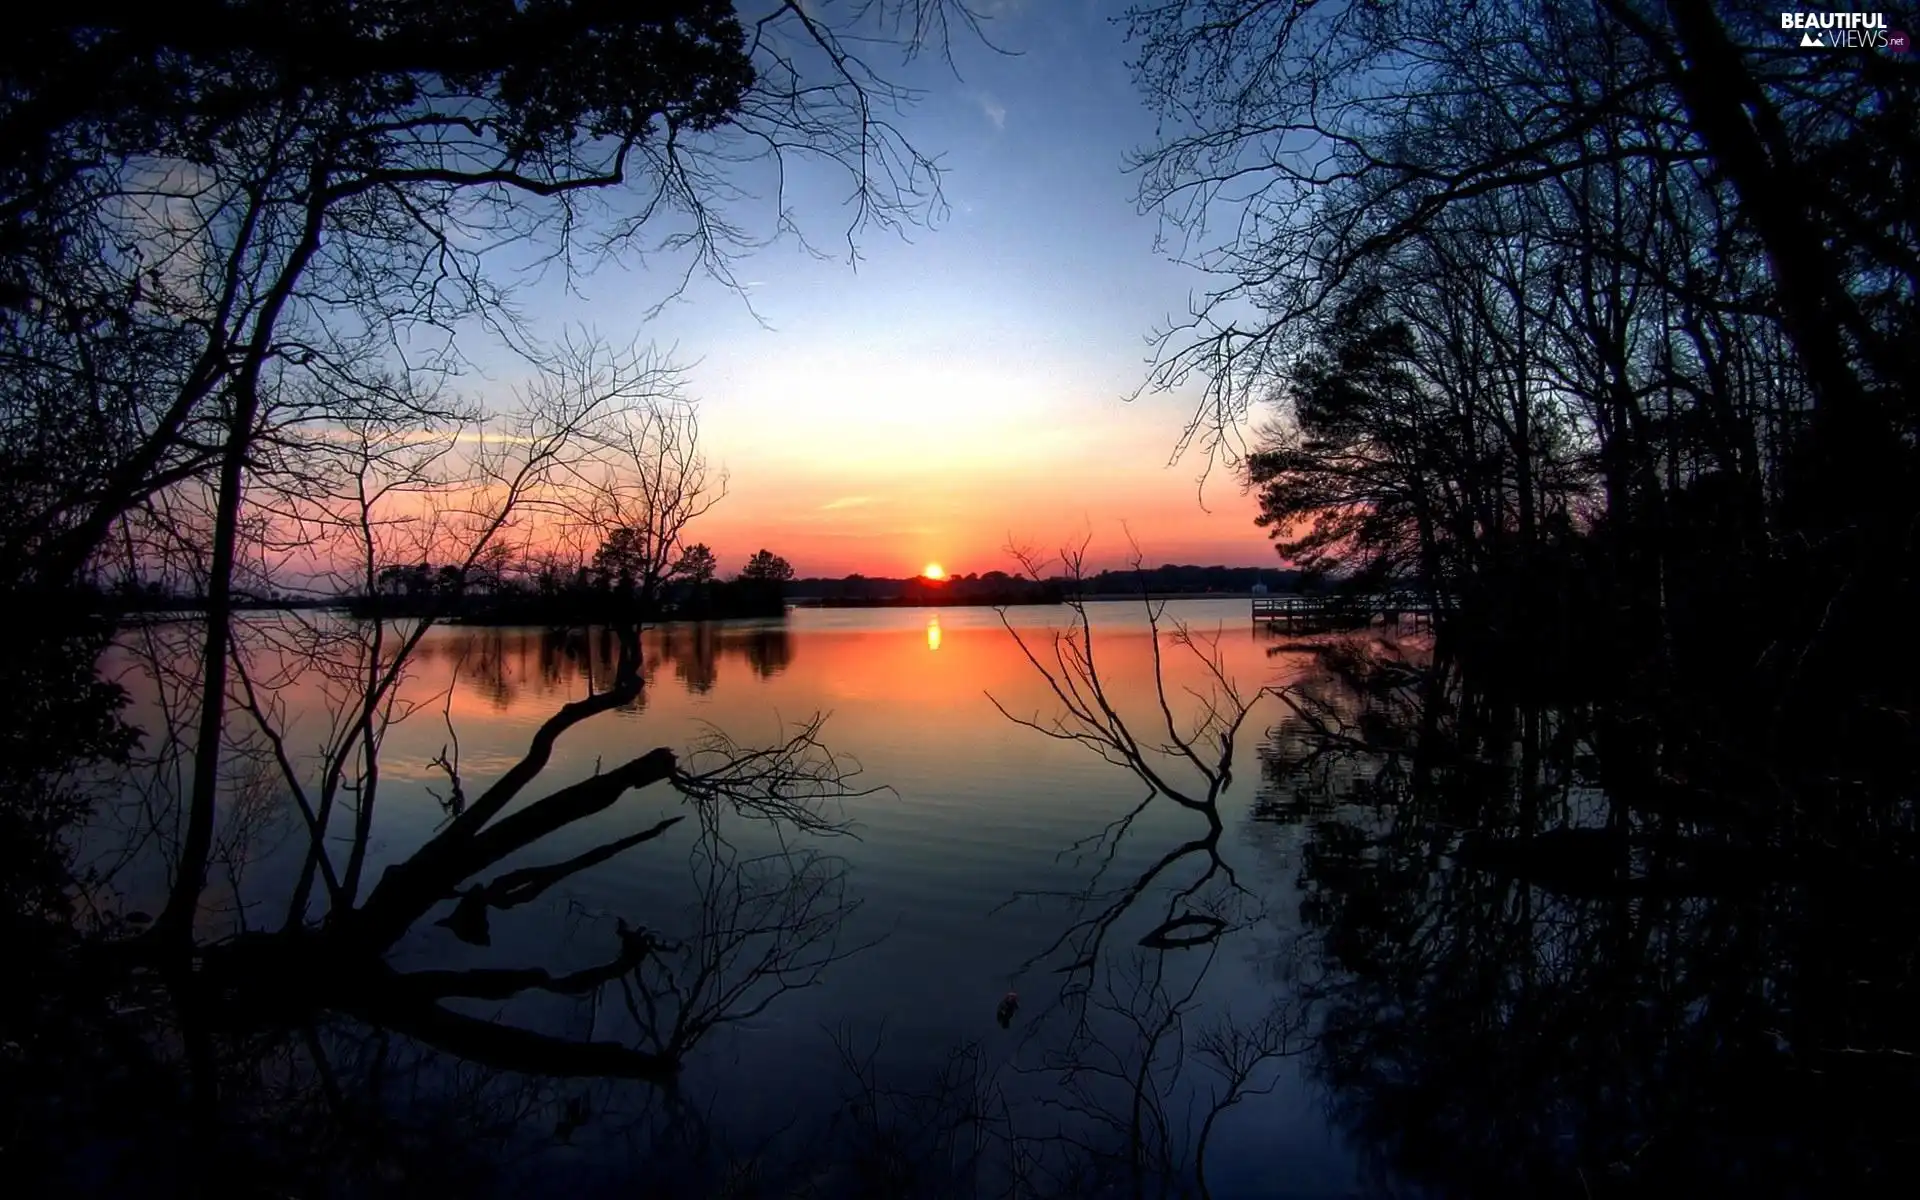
[1543, 951]
[508, 665]
[323, 1059]
[768, 651]
[1132, 1061]
[1525, 985]
[292, 1016]
[1513, 981]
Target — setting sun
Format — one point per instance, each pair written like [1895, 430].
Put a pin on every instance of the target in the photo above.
[934, 571]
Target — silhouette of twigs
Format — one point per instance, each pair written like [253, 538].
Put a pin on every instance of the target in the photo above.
[1170, 762]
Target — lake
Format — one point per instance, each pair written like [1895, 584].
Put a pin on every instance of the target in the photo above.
[976, 847]
[1407, 944]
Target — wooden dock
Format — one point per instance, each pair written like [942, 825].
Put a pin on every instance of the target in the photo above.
[1341, 612]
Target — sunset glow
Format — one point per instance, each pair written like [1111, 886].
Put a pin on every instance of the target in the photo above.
[1035, 450]
[964, 393]
[934, 571]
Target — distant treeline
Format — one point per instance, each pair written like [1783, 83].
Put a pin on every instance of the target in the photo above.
[1168, 579]
[1000, 587]
[860, 591]
[584, 599]
[708, 600]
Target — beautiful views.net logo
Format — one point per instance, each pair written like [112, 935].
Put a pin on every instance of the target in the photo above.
[1845, 31]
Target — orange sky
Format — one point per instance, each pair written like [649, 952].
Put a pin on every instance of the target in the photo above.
[849, 461]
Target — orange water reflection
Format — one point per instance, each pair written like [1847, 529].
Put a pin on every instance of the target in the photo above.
[830, 659]
[905, 690]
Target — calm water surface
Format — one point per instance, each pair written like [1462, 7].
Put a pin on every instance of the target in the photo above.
[975, 815]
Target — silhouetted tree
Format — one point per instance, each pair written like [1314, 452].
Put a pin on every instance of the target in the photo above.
[62, 732]
[183, 205]
[696, 565]
[1357, 479]
[767, 567]
[620, 560]
[1604, 258]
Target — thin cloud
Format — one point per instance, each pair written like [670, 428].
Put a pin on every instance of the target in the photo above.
[992, 109]
[846, 502]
